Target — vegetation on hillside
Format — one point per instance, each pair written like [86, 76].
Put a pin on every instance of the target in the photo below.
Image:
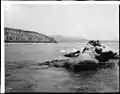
[22, 36]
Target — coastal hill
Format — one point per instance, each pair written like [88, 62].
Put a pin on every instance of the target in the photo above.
[69, 39]
[23, 36]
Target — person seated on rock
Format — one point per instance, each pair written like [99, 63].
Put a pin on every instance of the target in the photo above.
[98, 43]
[92, 44]
[101, 52]
[88, 46]
[91, 58]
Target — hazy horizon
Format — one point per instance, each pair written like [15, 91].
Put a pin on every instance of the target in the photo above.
[89, 21]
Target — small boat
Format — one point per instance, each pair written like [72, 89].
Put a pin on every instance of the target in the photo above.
[72, 54]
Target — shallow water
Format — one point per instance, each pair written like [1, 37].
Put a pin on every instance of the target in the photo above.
[54, 79]
[37, 52]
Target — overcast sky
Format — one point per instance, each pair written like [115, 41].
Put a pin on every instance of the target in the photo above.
[91, 21]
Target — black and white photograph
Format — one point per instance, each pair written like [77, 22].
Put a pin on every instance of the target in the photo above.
[61, 48]
[60, 0]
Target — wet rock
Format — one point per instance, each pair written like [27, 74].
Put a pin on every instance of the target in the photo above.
[89, 59]
[86, 61]
[105, 56]
[101, 51]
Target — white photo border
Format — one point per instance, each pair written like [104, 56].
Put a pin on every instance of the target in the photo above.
[3, 3]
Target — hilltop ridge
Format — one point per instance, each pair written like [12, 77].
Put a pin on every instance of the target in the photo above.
[24, 36]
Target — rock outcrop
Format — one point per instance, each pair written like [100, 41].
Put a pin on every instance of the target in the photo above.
[22, 36]
[92, 58]
[88, 60]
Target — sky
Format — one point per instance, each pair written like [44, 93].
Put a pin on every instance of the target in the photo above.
[90, 21]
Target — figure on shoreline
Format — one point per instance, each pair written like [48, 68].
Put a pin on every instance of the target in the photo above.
[93, 56]
[93, 44]
[94, 53]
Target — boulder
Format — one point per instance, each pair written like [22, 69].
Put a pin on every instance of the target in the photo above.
[105, 56]
[101, 51]
[73, 54]
[85, 61]
[92, 58]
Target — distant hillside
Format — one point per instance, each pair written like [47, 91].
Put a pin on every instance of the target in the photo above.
[109, 41]
[67, 39]
[70, 39]
[22, 36]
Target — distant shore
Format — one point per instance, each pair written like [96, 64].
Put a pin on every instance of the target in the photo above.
[52, 43]
[24, 36]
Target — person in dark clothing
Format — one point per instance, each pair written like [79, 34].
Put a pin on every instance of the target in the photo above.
[92, 44]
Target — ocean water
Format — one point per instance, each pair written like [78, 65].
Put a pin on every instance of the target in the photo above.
[37, 52]
[56, 79]
[42, 52]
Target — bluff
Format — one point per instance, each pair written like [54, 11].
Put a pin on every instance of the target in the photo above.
[23, 36]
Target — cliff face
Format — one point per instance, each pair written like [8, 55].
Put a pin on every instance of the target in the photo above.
[21, 36]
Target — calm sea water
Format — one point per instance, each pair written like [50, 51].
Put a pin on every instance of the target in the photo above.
[41, 52]
[57, 79]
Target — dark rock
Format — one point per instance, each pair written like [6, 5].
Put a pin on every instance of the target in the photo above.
[73, 54]
[91, 59]
[59, 63]
[105, 56]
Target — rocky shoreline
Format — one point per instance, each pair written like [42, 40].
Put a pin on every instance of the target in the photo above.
[33, 76]
[73, 65]
[14, 72]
